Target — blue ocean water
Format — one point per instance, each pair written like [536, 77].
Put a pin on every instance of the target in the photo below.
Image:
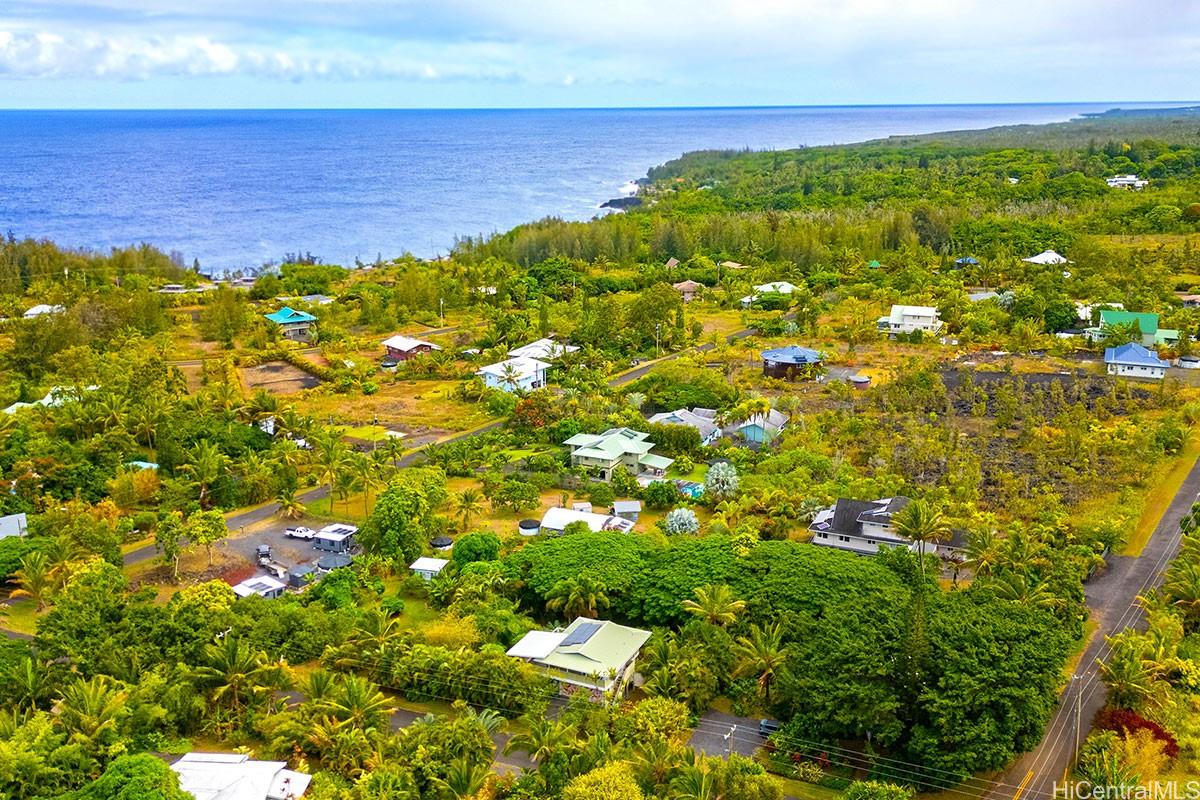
[236, 189]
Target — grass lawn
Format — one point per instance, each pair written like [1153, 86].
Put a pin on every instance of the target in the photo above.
[368, 433]
[407, 405]
[1164, 486]
[806, 791]
[21, 616]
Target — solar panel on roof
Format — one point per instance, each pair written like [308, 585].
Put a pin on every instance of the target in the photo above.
[581, 634]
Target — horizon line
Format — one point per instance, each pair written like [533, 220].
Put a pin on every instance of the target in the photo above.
[750, 107]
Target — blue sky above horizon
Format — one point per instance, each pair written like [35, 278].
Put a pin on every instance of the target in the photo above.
[538, 53]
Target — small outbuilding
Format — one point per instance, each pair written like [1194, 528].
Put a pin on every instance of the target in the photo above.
[428, 568]
[627, 509]
[261, 585]
[301, 576]
[336, 538]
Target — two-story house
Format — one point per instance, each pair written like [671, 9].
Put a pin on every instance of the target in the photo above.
[910, 319]
[601, 453]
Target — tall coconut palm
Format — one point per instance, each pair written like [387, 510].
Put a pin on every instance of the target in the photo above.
[290, 506]
[715, 603]
[983, 553]
[761, 654]
[331, 459]
[920, 522]
[467, 505]
[35, 578]
[205, 464]
[366, 474]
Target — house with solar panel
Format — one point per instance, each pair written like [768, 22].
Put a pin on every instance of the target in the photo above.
[296, 326]
[594, 655]
[600, 454]
[791, 362]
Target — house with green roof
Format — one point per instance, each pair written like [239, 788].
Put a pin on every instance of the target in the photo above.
[601, 453]
[596, 655]
[1146, 322]
[295, 325]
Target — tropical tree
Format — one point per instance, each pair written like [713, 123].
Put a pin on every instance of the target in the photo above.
[35, 578]
[467, 505]
[920, 522]
[90, 711]
[205, 465]
[541, 738]
[761, 654]
[358, 702]
[577, 597]
[715, 603]
[235, 675]
[290, 506]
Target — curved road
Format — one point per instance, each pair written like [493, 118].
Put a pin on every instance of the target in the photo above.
[1112, 598]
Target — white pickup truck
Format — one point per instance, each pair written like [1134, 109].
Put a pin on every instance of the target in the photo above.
[300, 532]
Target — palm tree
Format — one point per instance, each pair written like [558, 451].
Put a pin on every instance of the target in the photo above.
[920, 522]
[1017, 587]
[577, 597]
[392, 448]
[463, 779]
[290, 506]
[1182, 586]
[542, 738]
[366, 472]
[205, 464]
[90, 711]
[468, 503]
[654, 761]
[1133, 681]
[236, 675]
[696, 781]
[35, 578]
[762, 653]
[359, 703]
[983, 553]
[331, 460]
[715, 603]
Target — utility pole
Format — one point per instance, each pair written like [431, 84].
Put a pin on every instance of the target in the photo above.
[729, 741]
[1078, 680]
[657, 331]
[442, 310]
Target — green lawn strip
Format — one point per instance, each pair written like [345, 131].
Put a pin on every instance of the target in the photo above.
[806, 791]
[1160, 495]
[21, 616]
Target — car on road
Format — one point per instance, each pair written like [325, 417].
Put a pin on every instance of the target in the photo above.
[300, 532]
[767, 726]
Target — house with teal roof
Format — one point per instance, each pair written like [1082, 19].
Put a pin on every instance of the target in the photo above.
[601, 453]
[1147, 324]
[294, 325]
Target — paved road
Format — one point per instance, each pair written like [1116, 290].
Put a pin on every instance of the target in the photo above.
[719, 734]
[1112, 596]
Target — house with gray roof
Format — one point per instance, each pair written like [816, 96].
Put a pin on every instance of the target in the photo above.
[759, 428]
[704, 420]
[595, 655]
[601, 453]
[864, 526]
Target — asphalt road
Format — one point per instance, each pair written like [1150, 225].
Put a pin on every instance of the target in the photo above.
[1112, 597]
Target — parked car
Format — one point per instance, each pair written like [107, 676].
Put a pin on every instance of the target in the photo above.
[299, 532]
[767, 726]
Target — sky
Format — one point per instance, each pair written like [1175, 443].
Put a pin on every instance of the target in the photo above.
[605, 53]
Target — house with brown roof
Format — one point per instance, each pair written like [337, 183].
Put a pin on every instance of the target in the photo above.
[689, 289]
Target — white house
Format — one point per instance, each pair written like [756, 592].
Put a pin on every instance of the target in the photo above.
[13, 525]
[428, 568]
[774, 287]
[41, 309]
[1134, 361]
[910, 319]
[1046, 258]
[557, 519]
[1126, 182]
[543, 350]
[863, 526]
[515, 374]
[234, 776]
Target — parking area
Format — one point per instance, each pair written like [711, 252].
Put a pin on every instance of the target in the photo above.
[290, 552]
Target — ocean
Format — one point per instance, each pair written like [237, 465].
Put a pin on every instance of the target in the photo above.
[238, 189]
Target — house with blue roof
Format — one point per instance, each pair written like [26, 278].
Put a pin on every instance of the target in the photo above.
[295, 325]
[1134, 361]
[791, 362]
